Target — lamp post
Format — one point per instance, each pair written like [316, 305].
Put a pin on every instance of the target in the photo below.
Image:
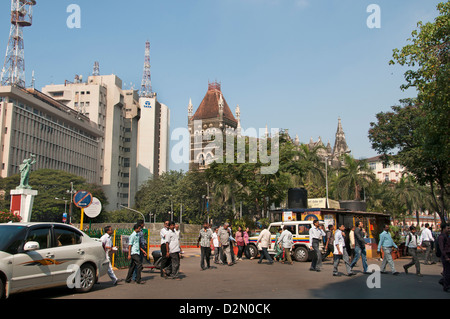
[143, 218]
[71, 192]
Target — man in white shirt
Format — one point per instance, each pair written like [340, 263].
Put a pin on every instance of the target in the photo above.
[109, 249]
[412, 243]
[287, 242]
[217, 247]
[340, 252]
[173, 250]
[315, 235]
[265, 240]
[164, 252]
[427, 239]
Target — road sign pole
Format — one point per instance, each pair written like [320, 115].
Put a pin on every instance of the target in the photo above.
[82, 218]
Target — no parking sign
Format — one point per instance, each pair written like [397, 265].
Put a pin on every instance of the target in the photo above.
[82, 199]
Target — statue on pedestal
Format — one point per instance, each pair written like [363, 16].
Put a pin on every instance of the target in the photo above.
[25, 170]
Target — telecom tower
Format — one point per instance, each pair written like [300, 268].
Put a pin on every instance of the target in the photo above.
[146, 86]
[13, 72]
[96, 70]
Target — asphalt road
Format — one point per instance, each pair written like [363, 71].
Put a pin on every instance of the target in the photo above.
[249, 280]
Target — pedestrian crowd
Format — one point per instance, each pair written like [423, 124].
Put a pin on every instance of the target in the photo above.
[347, 245]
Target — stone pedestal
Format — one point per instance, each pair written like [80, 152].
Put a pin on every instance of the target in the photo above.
[22, 203]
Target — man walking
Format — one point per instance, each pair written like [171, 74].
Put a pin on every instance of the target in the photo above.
[265, 239]
[164, 253]
[224, 239]
[315, 234]
[412, 243]
[142, 243]
[173, 250]
[204, 239]
[387, 244]
[340, 252]
[217, 248]
[360, 248]
[427, 241]
[109, 250]
[287, 242]
[329, 244]
[134, 251]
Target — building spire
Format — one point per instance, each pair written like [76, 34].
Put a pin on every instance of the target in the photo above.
[340, 144]
[190, 108]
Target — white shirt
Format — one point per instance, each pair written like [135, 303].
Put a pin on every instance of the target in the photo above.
[339, 240]
[286, 238]
[414, 242]
[427, 235]
[265, 238]
[163, 234]
[173, 241]
[106, 242]
[215, 240]
[315, 233]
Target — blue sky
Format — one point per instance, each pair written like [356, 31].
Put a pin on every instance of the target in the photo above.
[293, 64]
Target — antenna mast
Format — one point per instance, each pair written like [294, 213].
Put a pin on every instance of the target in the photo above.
[13, 72]
[146, 86]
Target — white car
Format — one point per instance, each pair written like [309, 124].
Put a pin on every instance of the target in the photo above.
[300, 232]
[42, 255]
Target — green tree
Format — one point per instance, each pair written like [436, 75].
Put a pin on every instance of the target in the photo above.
[416, 134]
[52, 184]
[352, 177]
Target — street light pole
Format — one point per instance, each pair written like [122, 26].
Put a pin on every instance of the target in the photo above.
[71, 192]
[143, 218]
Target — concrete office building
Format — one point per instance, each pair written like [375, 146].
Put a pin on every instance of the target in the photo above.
[61, 139]
[153, 139]
[135, 142]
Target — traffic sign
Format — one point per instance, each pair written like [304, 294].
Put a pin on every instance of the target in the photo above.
[82, 199]
[94, 209]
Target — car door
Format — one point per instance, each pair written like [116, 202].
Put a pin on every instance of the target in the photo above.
[68, 251]
[34, 268]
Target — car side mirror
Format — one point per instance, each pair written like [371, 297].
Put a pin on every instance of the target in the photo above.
[31, 246]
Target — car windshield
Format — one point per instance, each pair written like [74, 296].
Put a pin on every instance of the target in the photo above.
[10, 237]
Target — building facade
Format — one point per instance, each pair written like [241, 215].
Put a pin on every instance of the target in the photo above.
[385, 172]
[129, 141]
[212, 118]
[61, 139]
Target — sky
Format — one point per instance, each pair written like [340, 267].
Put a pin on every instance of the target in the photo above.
[289, 64]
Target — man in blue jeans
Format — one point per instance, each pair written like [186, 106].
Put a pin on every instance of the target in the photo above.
[360, 248]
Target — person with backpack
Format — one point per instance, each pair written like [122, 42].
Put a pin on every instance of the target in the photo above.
[443, 251]
[413, 241]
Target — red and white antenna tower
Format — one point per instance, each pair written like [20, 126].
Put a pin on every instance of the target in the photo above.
[13, 72]
[146, 85]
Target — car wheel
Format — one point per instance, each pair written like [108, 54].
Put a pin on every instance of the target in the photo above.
[2, 289]
[301, 254]
[87, 278]
[253, 251]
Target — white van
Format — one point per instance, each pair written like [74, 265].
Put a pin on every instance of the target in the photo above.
[300, 231]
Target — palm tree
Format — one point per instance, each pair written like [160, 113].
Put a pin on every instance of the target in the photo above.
[352, 177]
